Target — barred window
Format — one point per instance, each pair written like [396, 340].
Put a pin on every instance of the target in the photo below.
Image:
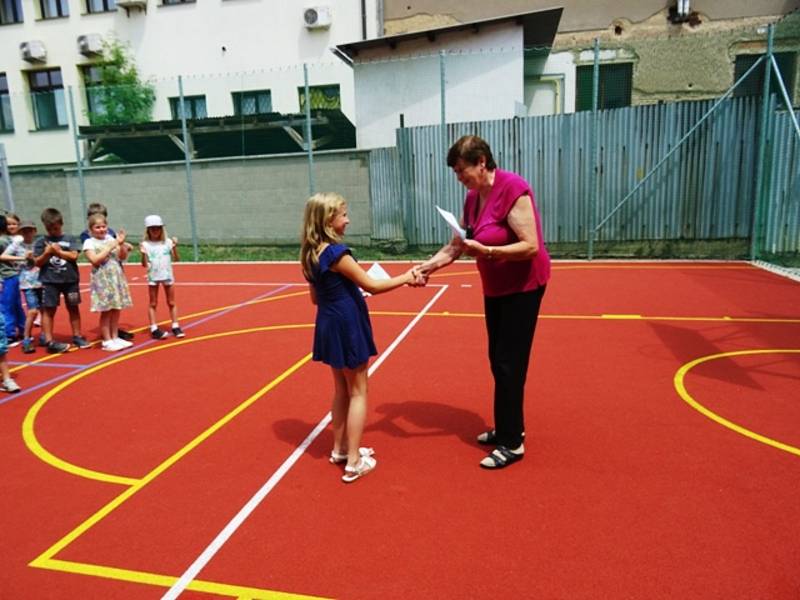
[257, 102]
[195, 107]
[615, 86]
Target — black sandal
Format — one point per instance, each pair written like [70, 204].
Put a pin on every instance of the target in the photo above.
[500, 458]
[490, 437]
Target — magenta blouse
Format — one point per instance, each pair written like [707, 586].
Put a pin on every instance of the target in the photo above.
[490, 227]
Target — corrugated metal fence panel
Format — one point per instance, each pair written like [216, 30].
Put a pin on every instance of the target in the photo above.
[385, 194]
[704, 190]
[783, 211]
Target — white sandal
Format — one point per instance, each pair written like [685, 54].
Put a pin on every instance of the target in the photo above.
[337, 457]
[364, 465]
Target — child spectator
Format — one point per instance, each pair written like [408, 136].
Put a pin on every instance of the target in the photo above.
[98, 208]
[56, 255]
[109, 289]
[158, 253]
[12, 223]
[342, 333]
[8, 384]
[22, 251]
[10, 303]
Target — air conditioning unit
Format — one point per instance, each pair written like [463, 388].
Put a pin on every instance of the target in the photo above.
[127, 5]
[90, 44]
[33, 51]
[317, 17]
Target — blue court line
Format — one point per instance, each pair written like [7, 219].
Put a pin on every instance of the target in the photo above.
[79, 368]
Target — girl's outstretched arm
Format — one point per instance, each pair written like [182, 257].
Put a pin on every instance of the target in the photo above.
[348, 267]
[175, 256]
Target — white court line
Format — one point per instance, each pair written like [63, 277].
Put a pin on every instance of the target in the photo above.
[223, 536]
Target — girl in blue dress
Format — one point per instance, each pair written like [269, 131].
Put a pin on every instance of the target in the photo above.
[342, 333]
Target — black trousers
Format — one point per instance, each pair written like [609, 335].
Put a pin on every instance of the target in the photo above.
[511, 323]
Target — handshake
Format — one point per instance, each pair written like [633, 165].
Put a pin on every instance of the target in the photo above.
[418, 276]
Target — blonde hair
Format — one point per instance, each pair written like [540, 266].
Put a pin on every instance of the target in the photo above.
[95, 217]
[317, 228]
[163, 237]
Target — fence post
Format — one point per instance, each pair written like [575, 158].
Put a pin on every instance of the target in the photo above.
[758, 196]
[443, 125]
[188, 161]
[595, 196]
[309, 145]
[78, 159]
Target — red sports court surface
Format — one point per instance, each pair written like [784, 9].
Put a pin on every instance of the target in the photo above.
[663, 446]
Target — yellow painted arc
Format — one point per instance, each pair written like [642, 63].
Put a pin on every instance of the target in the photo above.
[166, 581]
[28, 425]
[680, 376]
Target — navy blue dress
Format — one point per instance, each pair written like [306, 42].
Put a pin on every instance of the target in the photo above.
[343, 333]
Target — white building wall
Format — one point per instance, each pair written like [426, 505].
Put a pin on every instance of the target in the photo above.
[218, 46]
[483, 75]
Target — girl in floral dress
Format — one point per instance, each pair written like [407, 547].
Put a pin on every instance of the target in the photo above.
[108, 287]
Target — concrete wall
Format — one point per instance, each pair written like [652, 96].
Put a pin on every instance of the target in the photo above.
[237, 201]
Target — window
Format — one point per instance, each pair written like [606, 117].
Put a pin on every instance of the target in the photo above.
[47, 98]
[322, 96]
[10, 11]
[754, 84]
[94, 91]
[99, 6]
[615, 86]
[6, 123]
[252, 103]
[195, 107]
[53, 9]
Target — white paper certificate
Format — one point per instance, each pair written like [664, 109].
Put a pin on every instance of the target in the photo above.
[378, 272]
[451, 220]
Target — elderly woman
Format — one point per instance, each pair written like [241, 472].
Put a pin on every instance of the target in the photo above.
[504, 234]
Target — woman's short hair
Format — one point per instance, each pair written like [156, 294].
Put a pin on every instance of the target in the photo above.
[470, 148]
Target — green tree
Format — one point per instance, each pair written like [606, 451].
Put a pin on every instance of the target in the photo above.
[119, 97]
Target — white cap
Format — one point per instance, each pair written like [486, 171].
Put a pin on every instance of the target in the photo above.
[153, 221]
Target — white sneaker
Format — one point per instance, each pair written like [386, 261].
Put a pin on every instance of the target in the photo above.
[122, 343]
[10, 386]
[111, 346]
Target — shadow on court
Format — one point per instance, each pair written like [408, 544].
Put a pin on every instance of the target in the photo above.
[401, 419]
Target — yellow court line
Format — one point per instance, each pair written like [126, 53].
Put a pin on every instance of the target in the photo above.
[612, 317]
[28, 425]
[167, 581]
[183, 318]
[649, 266]
[46, 561]
[680, 386]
